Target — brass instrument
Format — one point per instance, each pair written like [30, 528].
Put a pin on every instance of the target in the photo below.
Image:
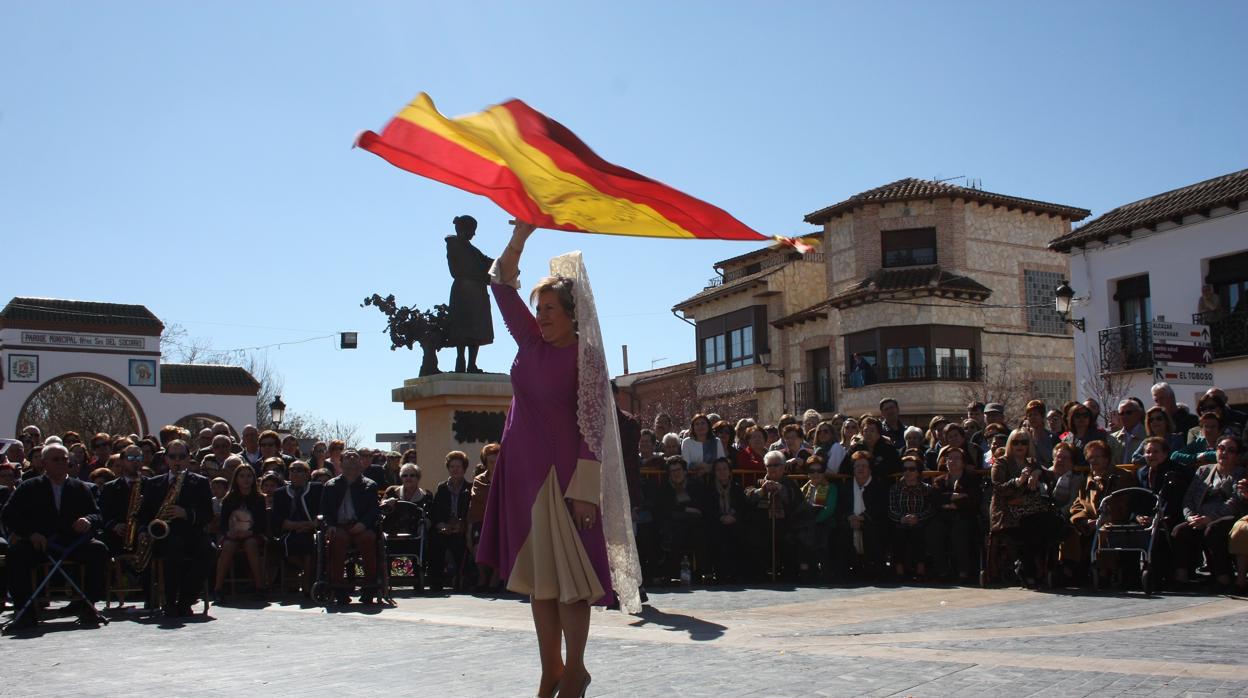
[132, 515]
[158, 528]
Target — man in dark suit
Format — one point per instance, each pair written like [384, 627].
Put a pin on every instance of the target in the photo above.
[115, 499]
[293, 519]
[349, 504]
[187, 551]
[48, 515]
[862, 521]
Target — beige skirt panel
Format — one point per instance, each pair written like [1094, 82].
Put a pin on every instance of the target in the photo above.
[552, 563]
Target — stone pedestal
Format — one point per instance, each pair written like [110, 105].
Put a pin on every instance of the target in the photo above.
[454, 412]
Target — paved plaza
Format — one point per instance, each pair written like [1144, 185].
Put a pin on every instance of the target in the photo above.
[873, 641]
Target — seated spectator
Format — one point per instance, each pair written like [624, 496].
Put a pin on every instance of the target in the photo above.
[701, 447]
[909, 508]
[671, 444]
[219, 487]
[679, 510]
[115, 502]
[1130, 436]
[954, 527]
[956, 436]
[750, 458]
[741, 432]
[774, 499]
[290, 448]
[773, 434]
[221, 448]
[725, 510]
[350, 509]
[862, 521]
[409, 491]
[1042, 440]
[322, 475]
[49, 517]
[1238, 537]
[1019, 509]
[815, 520]
[243, 523]
[487, 577]
[319, 458]
[210, 468]
[103, 476]
[1086, 512]
[994, 437]
[448, 546]
[270, 482]
[778, 442]
[1208, 508]
[912, 438]
[933, 441]
[885, 460]
[1200, 451]
[293, 520]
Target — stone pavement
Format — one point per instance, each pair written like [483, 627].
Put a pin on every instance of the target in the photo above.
[872, 641]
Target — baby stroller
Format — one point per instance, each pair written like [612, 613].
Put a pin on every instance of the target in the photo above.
[321, 591]
[1119, 531]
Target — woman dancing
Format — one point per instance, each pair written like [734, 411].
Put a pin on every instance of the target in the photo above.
[557, 523]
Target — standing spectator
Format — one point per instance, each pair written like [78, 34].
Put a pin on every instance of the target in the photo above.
[1238, 537]
[1095, 408]
[320, 457]
[750, 458]
[955, 530]
[290, 449]
[975, 413]
[827, 447]
[1208, 508]
[662, 423]
[742, 432]
[933, 441]
[487, 577]
[913, 440]
[394, 459]
[1055, 422]
[885, 460]
[777, 441]
[1041, 438]
[251, 446]
[909, 508]
[795, 448]
[891, 426]
[1200, 450]
[1158, 423]
[1163, 397]
[1124, 442]
[671, 444]
[701, 447]
[726, 506]
[630, 436]
[848, 439]
[724, 432]
[101, 449]
[1083, 430]
[337, 448]
[449, 542]
[810, 420]
[203, 438]
[815, 521]
[1019, 508]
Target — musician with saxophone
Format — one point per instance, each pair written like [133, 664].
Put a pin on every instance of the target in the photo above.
[176, 506]
[119, 504]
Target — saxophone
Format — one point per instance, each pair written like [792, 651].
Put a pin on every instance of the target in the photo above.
[132, 515]
[158, 529]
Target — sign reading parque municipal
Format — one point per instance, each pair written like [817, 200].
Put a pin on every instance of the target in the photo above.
[81, 341]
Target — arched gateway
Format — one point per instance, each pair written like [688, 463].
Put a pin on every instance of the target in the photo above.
[92, 366]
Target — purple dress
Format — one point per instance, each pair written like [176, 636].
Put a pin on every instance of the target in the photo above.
[528, 534]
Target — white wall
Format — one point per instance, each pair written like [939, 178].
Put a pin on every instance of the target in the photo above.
[1176, 260]
[159, 408]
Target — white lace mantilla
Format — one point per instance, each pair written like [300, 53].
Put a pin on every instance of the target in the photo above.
[596, 417]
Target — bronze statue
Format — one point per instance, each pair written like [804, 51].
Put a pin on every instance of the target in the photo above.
[470, 324]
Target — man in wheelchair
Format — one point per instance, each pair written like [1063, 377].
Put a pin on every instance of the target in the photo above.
[350, 511]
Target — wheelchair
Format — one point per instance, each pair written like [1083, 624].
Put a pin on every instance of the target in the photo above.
[322, 593]
[1119, 532]
[404, 530]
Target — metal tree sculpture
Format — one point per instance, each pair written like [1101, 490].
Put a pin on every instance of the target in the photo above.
[411, 325]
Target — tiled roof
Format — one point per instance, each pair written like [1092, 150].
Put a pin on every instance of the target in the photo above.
[1202, 197]
[726, 288]
[932, 278]
[42, 312]
[818, 311]
[814, 239]
[910, 188]
[207, 379]
[629, 379]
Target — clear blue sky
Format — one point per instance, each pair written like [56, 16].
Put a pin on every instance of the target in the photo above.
[195, 157]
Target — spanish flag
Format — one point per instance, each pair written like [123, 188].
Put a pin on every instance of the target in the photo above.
[540, 172]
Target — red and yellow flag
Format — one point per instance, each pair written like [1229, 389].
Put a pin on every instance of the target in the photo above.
[540, 172]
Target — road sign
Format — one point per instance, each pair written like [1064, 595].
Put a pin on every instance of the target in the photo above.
[1182, 353]
[1182, 375]
[1181, 332]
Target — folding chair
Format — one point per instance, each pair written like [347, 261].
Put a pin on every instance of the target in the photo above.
[58, 566]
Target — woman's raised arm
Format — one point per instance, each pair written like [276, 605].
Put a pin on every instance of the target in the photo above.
[509, 260]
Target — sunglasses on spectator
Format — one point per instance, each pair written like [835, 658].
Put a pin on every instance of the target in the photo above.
[411, 475]
[135, 458]
[274, 444]
[1022, 442]
[175, 456]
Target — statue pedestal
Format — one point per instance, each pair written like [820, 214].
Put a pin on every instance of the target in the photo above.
[454, 412]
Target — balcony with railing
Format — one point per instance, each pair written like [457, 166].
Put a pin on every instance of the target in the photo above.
[907, 374]
[1228, 332]
[775, 260]
[816, 395]
[1126, 347]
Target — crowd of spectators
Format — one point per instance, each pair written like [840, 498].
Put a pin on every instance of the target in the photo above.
[984, 496]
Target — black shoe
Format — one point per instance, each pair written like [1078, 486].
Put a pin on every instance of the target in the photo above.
[28, 621]
[342, 598]
[175, 612]
[88, 617]
[217, 597]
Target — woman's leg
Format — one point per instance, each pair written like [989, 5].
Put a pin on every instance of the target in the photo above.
[1217, 545]
[546, 620]
[225, 561]
[251, 549]
[574, 617]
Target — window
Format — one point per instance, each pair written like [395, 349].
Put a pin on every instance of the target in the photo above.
[953, 363]
[1053, 392]
[1229, 278]
[1135, 307]
[741, 347]
[713, 356]
[906, 248]
[1039, 288]
[906, 363]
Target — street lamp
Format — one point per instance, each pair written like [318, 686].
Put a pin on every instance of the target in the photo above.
[277, 410]
[1064, 297]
